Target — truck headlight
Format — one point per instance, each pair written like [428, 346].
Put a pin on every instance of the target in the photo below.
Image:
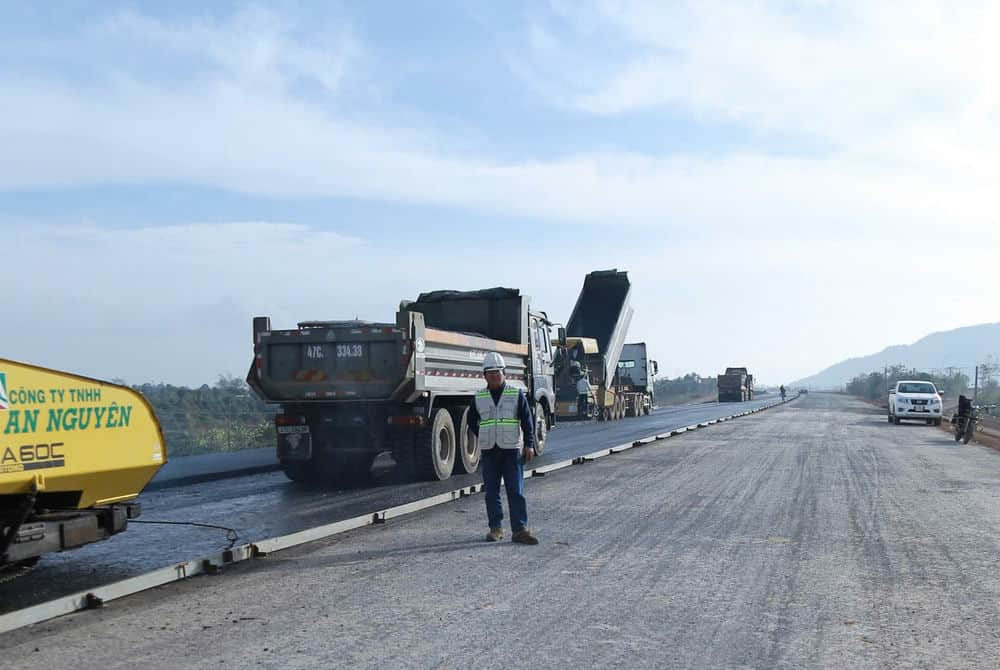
[901, 401]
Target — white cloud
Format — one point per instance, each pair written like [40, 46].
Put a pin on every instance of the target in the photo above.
[806, 249]
[232, 120]
[174, 303]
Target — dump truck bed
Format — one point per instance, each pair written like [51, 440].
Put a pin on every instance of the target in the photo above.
[77, 442]
[603, 312]
[395, 362]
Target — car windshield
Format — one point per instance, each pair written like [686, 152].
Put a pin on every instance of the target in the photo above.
[916, 388]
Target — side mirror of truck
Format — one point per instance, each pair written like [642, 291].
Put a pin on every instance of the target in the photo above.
[561, 333]
[892, 390]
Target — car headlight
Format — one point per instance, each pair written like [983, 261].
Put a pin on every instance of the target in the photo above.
[935, 401]
[902, 401]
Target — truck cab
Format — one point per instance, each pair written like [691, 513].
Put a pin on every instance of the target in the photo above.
[915, 400]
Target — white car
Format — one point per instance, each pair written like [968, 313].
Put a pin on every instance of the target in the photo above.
[915, 400]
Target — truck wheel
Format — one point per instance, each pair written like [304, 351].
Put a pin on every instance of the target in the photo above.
[468, 456]
[937, 422]
[645, 410]
[888, 418]
[541, 431]
[296, 471]
[435, 448]
[896, 420]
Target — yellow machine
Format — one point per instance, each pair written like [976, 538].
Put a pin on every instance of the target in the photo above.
[73, 451]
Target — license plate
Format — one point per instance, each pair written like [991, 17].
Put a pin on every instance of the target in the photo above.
[295, 447]
[289, 430]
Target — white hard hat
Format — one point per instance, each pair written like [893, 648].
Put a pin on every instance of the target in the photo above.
[493, 361]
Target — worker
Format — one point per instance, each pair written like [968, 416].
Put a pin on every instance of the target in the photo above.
[501, 419]
[582, 390]
[782, 390]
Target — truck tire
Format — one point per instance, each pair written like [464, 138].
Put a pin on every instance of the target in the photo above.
[297, 471]
[541, 431]
[896, 420]
[889, 417]
[468, 454]
[435, 447]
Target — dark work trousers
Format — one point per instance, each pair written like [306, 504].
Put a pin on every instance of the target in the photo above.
[505, 464]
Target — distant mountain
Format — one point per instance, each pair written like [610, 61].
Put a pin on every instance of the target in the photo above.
[960, 347]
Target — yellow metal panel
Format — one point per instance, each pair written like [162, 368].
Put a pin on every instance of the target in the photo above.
[79, 434]
[589, 344]
[463, 340]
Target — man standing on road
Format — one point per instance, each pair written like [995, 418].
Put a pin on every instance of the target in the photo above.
[501, 418]
[782, 390]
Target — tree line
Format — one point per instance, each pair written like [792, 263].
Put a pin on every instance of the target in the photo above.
[227, 416]
[951, 381]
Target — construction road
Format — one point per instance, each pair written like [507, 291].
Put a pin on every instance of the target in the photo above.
[265, 505]
[814, 534]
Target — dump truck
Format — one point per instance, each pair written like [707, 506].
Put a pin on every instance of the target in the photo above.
[350, 390]
[598, 326]
[735, 385]
[75, 452]
[635, 379]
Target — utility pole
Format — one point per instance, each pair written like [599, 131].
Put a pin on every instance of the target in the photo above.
[975, 390]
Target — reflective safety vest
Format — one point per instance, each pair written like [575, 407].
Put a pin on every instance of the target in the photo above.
[498, 422]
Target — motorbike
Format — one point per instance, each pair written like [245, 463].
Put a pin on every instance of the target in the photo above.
[966, 419]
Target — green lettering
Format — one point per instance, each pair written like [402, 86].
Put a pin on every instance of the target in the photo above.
[126, 415]
[85, 415]
[113, 416]
[55, 420]
[12, 424]
[30, 420]
[70, 418]
[100, 412]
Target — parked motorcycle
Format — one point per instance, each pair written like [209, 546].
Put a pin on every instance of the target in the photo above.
[966, 419]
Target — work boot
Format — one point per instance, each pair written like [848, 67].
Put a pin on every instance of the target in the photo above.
[524, 536]
[495, 535]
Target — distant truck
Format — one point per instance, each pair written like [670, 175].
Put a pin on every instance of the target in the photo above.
[735, 385]
[74, 453]
[596, 333]
[349, 390]
[915, 400]
[636, 374]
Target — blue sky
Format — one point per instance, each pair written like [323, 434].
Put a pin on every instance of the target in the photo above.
[168, 172]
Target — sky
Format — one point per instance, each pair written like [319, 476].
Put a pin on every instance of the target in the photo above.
[788, 184]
